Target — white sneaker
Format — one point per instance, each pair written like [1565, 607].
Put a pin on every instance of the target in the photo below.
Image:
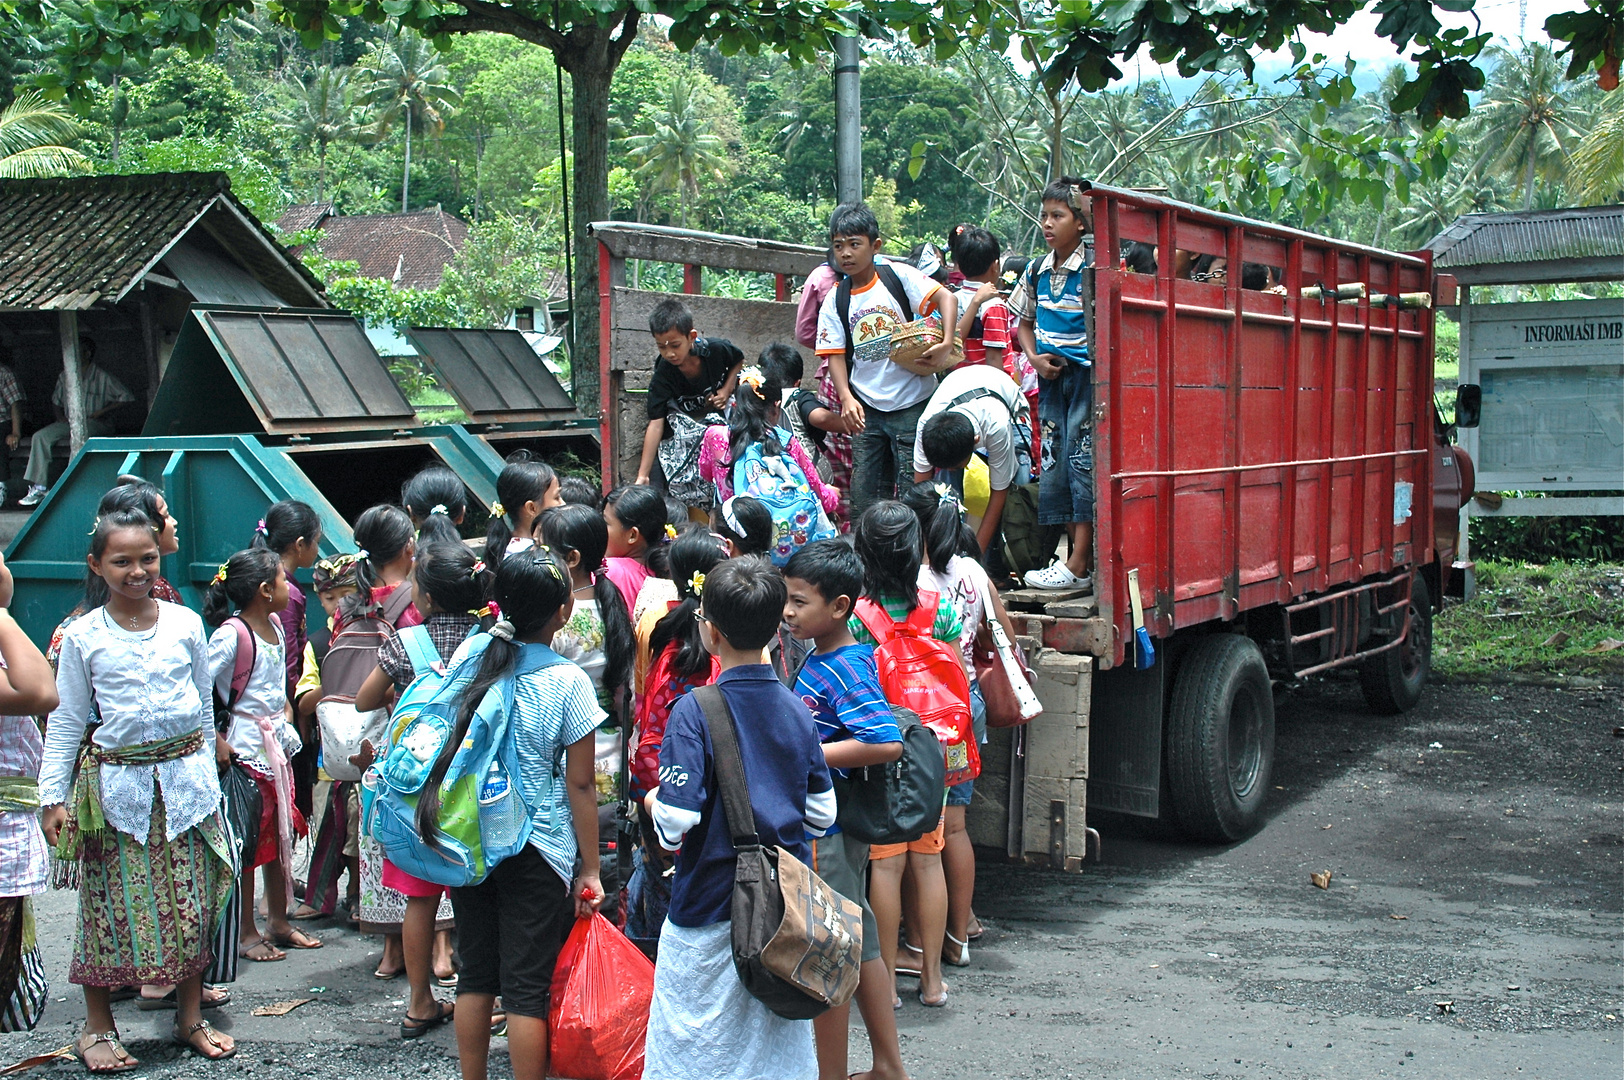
[1056, 576]
[33, 497]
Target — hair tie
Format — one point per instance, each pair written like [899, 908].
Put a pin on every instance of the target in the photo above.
[220, 575]
[731, 521]
[438, 508]
[753, 378]
[260, 529]
[696, 583]
[503, 630]
[477, 569]
[670, 532]
[362, 554]
[603, 568]
[945, 496]
[498, 510]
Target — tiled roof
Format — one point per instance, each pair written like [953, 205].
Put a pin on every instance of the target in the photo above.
[410, 250]
[73, 242]
[302, 216]
[1530, 236]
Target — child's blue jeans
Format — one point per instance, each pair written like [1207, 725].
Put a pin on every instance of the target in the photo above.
[1066, 425]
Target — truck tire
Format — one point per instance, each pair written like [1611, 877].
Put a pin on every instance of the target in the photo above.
[1220, 739]
[1393, 680]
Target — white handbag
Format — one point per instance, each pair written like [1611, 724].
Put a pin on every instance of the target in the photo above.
[343, 727]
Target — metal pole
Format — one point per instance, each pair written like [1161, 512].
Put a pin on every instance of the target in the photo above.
[848, 121]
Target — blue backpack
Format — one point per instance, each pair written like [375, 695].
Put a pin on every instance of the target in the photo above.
[486, 814]
[777, 480]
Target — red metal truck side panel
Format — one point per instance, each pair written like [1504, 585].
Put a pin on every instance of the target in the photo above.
[1247, 444]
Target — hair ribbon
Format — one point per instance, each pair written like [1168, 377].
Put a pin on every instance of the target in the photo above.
[753, 378]
[503, 630]
[732, 521]
[438, 508]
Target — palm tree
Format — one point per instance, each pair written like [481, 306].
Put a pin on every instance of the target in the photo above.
[1527, 120]
[322, 110]
[406, 80]
[1597, 165]
[33, 138]
[679, 149]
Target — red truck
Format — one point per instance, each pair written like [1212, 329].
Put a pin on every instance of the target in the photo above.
[1273, 466]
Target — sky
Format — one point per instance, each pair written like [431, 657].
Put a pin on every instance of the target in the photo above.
[1358, 39]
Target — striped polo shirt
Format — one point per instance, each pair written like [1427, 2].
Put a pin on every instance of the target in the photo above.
[1052, 297]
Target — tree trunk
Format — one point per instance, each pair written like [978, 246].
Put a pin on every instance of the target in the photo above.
[321, 169]
[73, 389]
[406, 174]
[589, 116]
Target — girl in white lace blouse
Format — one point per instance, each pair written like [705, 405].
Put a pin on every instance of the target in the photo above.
[142, 819]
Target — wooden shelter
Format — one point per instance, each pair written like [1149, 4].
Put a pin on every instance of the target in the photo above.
[120, 259]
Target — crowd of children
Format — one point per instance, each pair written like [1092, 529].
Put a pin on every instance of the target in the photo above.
[185, 753]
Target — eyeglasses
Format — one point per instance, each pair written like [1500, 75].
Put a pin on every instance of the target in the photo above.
[700, 615]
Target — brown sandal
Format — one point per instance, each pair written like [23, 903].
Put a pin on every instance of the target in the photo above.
[125, 1061]
[209, 1033]
[291, 940]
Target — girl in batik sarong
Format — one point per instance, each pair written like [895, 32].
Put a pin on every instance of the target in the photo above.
[138, 828]
[27, 687]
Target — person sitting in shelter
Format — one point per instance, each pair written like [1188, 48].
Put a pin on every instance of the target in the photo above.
[102, 394]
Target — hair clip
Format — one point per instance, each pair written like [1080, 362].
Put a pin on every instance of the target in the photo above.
[261, 529]
[480, 612]
[219, 575]
[498, 510]
[753, 378]
[503, 629]
[946, 495]
[94, 525]
[696, 583]
[670, 532]
[477, 569]
[438, 508]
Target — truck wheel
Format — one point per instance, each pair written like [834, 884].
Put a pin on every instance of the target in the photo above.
[1393, 680]
[1220, 739]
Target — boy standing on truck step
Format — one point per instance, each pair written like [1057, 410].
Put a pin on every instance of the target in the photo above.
[880, 401]
[1053, 331]
[693, 378]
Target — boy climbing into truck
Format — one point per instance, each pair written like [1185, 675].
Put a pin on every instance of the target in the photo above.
[880, 401]
[1051, 305]
[693, 378]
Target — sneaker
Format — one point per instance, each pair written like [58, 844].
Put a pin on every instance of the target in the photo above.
[1056, 576]
[33, 497]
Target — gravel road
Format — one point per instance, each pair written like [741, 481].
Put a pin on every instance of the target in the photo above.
[1475, 851]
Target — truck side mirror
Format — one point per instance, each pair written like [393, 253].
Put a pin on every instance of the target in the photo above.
[1468, 405]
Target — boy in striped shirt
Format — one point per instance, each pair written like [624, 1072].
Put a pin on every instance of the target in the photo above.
[840, 687]
[1053, 332]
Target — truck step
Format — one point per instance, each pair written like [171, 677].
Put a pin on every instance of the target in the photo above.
[1040, 600]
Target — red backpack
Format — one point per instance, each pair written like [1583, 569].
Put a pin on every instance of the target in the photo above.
[920, 673]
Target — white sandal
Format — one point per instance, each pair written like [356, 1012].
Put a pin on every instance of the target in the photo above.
[964, 952]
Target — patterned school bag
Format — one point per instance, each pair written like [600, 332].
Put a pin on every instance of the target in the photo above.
[778, 482]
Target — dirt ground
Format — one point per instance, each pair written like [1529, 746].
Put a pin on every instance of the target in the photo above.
[1475, 850]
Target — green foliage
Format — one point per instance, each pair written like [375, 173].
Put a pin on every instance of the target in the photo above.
[252, 180]
[505, 263]
[1543, 539]
[1533, 617]
[33, 132]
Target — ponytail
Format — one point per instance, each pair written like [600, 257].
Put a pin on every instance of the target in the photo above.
[758, 394]
[286, 523]
[941, 522]
[522, 480]
[237, 583]
[579, 530]
[437, 500]
[695, 552]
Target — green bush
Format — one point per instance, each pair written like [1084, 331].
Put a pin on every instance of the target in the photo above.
[1548, 539]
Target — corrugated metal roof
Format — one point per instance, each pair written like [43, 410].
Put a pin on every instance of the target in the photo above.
[1530, 236]
[72, 242]
[295, 371]
[494, 374]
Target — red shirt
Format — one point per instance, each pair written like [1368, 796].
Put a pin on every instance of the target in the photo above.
[995, 326]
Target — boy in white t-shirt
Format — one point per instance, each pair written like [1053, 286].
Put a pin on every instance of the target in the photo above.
[880, 401]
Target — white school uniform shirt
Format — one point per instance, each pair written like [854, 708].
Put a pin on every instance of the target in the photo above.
[266, 693]
[874, 314]
[146, 685]
[991, 419]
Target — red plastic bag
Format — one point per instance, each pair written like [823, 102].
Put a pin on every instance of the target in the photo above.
[602, 988]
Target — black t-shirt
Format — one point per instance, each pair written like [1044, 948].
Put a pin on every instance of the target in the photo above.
[804, 402]
[671, 389]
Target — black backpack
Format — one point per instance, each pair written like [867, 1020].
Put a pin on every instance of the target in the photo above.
[893, 284]
[899, 801]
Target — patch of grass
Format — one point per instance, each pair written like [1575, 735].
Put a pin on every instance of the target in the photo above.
[1516, 621]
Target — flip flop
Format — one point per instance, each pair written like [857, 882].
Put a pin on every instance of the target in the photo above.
[185, 1039]
[912, 971]
[939, 1004]
[127, 1062]
[964, 952]
[248, 952]
[413, 1028]
[448, 981]
[380, 973]
[289, 940]
[306, 913]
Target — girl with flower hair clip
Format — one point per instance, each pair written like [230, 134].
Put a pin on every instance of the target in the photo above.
[756, 420]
